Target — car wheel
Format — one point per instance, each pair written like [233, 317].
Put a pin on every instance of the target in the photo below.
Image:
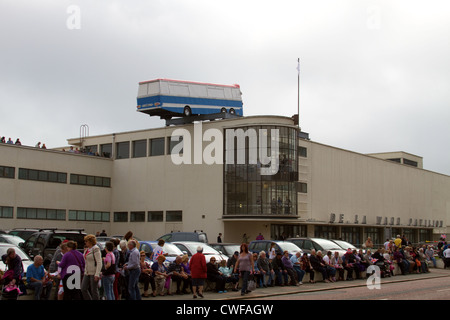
[223, 110]
[232, 111]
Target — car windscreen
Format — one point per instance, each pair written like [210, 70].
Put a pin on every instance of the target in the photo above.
[19, 252]
[327, 244]
[345, 245]
[231, 249]
[288, 246]
[172, 250]
[11, 239]
[206, 249]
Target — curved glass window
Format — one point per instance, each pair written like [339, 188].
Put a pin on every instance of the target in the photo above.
[249, 188]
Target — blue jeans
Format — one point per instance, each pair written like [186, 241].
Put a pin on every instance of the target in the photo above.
[133, 284]
[108, 282]
[244, 275]
[279, 275]
[300, 273]
[38, 287]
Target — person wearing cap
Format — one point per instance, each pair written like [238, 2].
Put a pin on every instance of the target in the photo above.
[198, 272]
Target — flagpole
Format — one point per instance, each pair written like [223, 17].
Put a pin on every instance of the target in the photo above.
[298, 93]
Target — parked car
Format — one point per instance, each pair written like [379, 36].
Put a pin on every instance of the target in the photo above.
[26, 260]
[44, 243]
[172, 250]
[345, 245]
[3, 231]
[264, 245]
[324, 245]
[9, 238]
[190, 248]
[24, 233]
[185, 236]
[227, 249]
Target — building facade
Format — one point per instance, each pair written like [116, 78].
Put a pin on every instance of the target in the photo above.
[137, 184]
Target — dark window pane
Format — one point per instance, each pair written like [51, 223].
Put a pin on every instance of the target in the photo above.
[123, 150]
[82, 179]
[53, 176]
[139, 148]
[157, 147]
[138, 216]
[154, 216]
[43, 176]
[174, 216]
[73, 178]
[72, 215]
[21, 213]
[302, 152]
[98, 181]
[106, 150]
[120, 216]
[23, 173]
[6, 212]
[32, 174]
[81, 215]
[90, 180]
[62, 177]
[105, 216]
[92, 149]
[107, 182]
[61, 214]
[31, 213]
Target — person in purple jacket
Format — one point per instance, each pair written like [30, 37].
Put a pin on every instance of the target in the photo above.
[72, 268]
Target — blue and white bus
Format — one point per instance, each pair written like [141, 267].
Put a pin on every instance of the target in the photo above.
[174, 98]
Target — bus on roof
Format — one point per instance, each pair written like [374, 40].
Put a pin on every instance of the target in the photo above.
[176, 98]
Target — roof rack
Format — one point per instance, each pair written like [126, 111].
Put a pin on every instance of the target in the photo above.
[57, 229]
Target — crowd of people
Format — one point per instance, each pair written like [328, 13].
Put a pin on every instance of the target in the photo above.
[10, 141]
[115, 272]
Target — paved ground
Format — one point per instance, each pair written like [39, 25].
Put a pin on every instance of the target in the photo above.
[433, 285]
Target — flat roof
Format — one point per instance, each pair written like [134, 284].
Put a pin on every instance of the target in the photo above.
[192, 82]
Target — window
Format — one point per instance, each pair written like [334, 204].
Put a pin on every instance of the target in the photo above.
[41, 214]
[139, 148]
[410, 162]
[41, 175]
[92, 149]
[302, 187]
[302, 152]
[106, 150]
[173, 142]
[155, 216]
[90, 180]
[6, 212]
[174, 216]
[7, 172]
[157, 147]
[120, 216]
[326, 232]
[137, 216]
[80, 215]
[395, 160]
[123, 150]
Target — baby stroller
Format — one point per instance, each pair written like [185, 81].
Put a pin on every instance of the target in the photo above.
[385, 270]
[10, 289]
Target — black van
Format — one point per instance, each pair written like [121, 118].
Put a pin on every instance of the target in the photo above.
[185, 236]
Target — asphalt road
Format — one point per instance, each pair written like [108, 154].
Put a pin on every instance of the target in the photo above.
[419, 289]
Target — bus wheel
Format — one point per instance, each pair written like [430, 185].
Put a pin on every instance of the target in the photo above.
[223, 110]
[232, 111]
[187, 111]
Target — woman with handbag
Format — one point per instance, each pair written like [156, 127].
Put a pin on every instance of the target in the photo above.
[246, 266]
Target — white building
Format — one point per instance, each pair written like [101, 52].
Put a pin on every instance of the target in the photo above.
[319, 190]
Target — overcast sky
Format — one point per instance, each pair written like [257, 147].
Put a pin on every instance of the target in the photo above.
[375, 75]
